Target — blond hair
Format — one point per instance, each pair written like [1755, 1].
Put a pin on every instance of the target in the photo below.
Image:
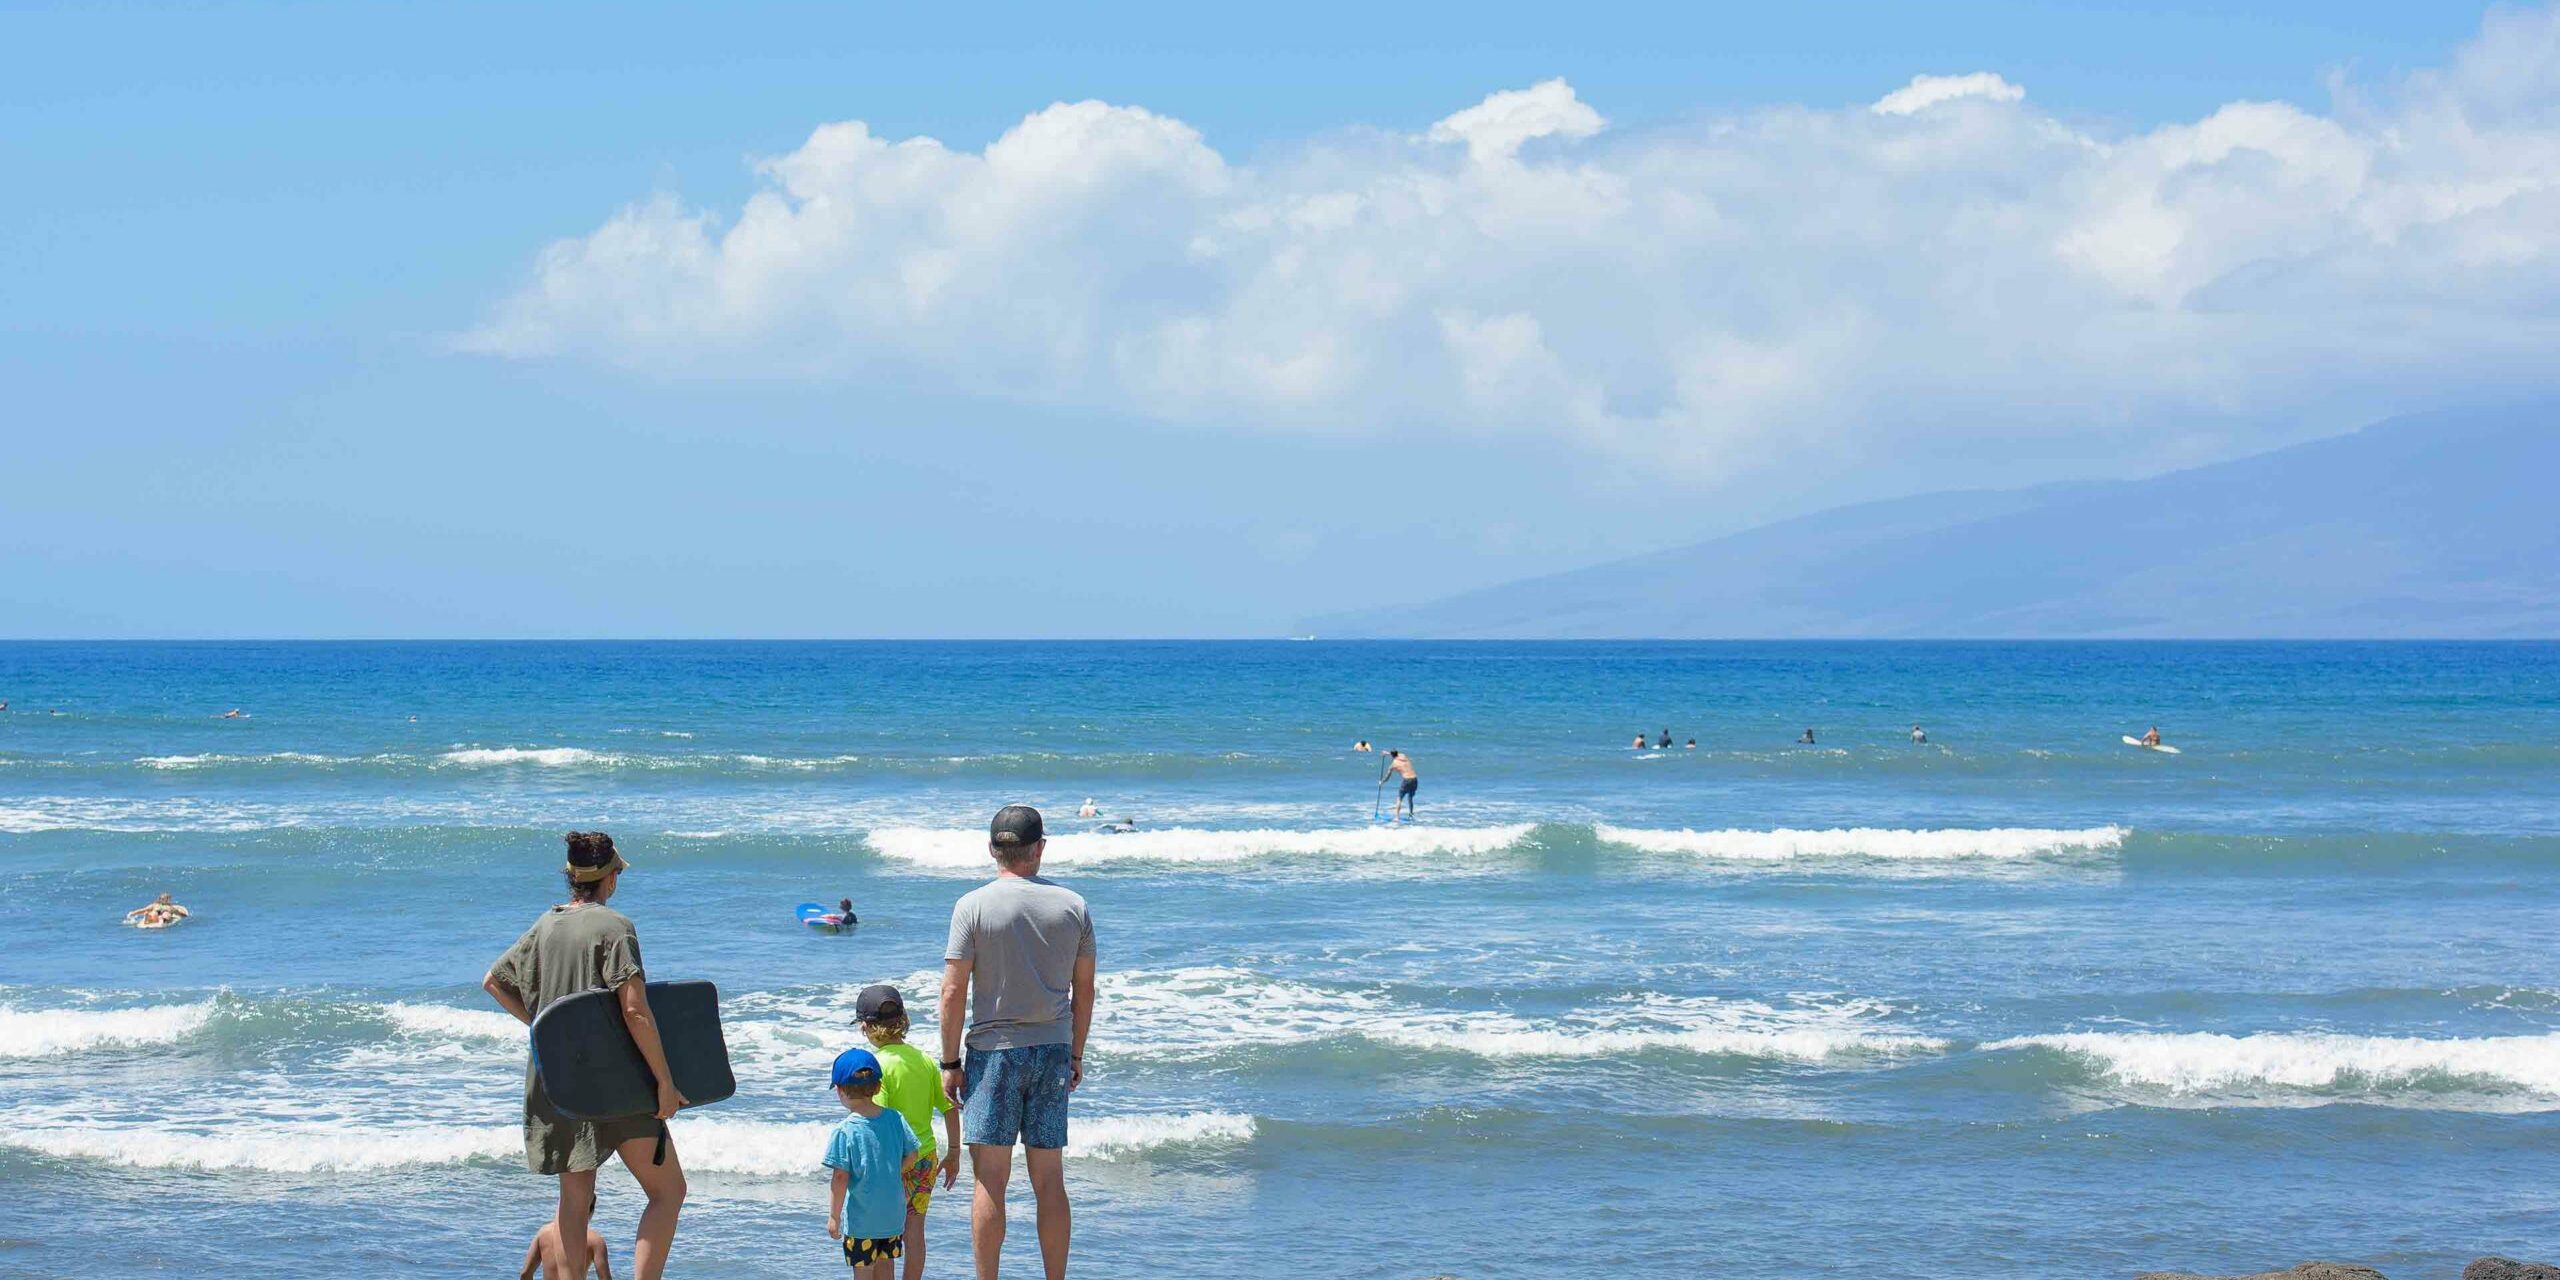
[886, 1031]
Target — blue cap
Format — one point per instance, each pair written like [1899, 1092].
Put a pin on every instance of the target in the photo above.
[856, 1066]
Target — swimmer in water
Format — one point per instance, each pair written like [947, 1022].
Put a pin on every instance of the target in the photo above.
[1806, 740]
[1640, 742]
[1361, 745]
[1918, 735]
[1665, 744]
[1693, 745]
[844, 911]
[1088, 810]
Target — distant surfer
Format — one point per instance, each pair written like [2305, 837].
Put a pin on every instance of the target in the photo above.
[1665, 744]
[1401, 765]
[1088, 810]
[159, 913]
[1121, 828]
[1693, 745]
[2152, 739]
[233, 714]
[844, 912]
[579, 946]
[1806, 740]
[1640, 742]
[1918, 735]
[1362, 746]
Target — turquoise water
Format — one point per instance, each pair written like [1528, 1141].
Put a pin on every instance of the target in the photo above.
[2021, 1001]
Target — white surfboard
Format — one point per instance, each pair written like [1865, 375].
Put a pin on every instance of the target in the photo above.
[2162, 747]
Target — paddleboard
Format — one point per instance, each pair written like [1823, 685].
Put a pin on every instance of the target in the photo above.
[2163, 748]
[591, 1070]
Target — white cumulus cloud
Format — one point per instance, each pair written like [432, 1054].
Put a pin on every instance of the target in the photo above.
[1827, 290]
[1928, 91]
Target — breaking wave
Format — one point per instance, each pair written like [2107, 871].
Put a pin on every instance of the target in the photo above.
[748, 1148]
[2363, 1068]
[547, 757]
[45, 1033]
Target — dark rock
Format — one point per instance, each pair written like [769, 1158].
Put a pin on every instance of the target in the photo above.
[2509, 1269]
[2302, 1271]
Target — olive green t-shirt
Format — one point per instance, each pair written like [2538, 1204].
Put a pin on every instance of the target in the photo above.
[569, 950]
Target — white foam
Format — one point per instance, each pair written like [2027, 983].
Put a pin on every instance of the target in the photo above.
[966, 848]
[548, 757]
[205, 761]
[287, 1147]
[753, 1148]
[44, 1033]
[1122, 1137]
[1883, 843]
[1510, 1038]
[796, 762]
[1190, 1012]
[18, 821]
[2207, 1063]
[444, 1022]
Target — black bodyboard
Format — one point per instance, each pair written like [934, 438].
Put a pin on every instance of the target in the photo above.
[591, 1070]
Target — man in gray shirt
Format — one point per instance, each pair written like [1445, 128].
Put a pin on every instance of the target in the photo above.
[1020, 963]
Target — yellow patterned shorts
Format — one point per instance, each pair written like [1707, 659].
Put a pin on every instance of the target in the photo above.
[920, 1190]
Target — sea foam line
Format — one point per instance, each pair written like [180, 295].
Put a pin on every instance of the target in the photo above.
[753, 1148]
[45, 1033]
[2206, 1062]
[548, 757]
[1883, 843]
[966, 848]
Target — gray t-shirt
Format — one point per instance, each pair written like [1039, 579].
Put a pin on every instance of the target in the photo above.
[1022, 936]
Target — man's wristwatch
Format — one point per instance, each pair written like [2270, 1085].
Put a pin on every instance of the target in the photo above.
[953, 1065]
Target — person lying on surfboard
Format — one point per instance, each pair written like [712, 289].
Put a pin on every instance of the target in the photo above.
[157, 912]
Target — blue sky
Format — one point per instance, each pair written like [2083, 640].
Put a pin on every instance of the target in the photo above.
[295, 348]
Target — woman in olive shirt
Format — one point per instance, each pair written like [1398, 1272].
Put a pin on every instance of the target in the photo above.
[583, 945]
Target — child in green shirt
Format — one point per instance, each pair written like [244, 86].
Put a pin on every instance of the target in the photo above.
[911, 1085]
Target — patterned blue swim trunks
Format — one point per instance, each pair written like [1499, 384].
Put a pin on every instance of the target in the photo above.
[1016, 1095]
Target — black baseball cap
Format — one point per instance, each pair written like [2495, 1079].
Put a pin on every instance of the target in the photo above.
[1017, 826]
[878, 1002]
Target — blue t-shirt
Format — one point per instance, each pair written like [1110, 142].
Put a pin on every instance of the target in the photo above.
[874, 1151]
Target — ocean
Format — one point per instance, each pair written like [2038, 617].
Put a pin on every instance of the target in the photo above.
[2021, 1001]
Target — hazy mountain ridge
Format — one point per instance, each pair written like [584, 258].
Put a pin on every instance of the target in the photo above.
[2433, 525]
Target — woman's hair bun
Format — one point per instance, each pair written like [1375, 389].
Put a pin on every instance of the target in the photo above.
[590, 848]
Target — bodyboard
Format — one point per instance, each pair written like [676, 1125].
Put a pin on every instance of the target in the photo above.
[591, 1070]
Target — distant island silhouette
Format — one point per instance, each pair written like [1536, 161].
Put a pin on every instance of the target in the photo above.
[2435, 525]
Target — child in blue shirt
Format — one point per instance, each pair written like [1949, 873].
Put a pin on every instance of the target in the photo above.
[877, 1162]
